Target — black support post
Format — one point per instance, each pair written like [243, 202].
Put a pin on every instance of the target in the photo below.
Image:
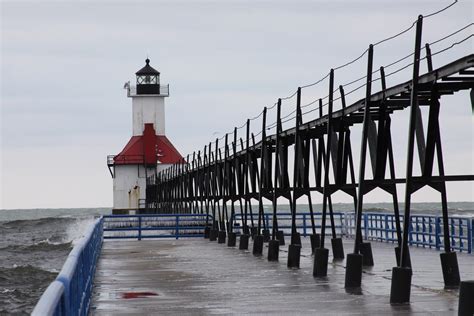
[401, 275]
[355, 259]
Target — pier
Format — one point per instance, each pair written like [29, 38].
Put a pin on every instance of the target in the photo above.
[196, 277]
[204, 244]
[138, 264]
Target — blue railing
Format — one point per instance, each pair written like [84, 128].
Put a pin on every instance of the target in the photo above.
[303, 223]
[424, 231]
[70, 293]
[155, 226]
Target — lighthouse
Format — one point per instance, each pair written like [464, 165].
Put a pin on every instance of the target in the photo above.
[148, 151]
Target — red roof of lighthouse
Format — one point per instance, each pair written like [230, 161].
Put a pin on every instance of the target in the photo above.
[148, 148]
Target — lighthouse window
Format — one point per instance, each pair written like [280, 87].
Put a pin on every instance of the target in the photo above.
[147, 79]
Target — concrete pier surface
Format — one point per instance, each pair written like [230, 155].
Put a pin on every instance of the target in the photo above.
[199, 277]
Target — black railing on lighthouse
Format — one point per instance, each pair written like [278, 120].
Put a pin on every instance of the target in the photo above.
[259, 171]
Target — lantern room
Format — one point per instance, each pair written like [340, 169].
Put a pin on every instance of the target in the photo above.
[148, 80]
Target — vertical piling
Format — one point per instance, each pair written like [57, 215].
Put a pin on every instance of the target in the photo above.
[402, 274]
[355, 260]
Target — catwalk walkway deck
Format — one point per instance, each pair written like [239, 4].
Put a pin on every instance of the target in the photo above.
[198, 277]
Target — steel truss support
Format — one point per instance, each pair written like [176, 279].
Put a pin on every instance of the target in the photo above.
[226, 184]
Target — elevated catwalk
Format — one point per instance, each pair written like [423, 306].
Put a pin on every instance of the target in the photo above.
[198, 277]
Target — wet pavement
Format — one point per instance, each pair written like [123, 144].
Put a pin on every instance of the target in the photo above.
[199, 277]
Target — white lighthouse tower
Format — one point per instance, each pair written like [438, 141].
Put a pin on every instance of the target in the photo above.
[148, 150]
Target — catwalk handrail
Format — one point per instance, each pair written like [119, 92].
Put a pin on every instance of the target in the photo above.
[446, 70]
[352, 61]
[443, 71]
[70, 293]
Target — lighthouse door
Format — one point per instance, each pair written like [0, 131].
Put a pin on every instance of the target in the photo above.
[134, 198]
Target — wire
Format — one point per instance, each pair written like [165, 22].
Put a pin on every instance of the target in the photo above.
[315, 83]
[284, 117]
[242, 126]
[389, 65]
[398, 70]
[353, 61]
[396, 35]
[256, 117]
[289, 114]
[452, 45]
[291, 118]
[410, 55]
[413, 24]
[312, 110]
[356, 80]
[362, 55]
[291, 96]
[257, 134]
[383, 41]
[448, 36]
[288, 118]
[375, 71]
[401, 59]
[310, 103]
[272, 106]
[272, 125]
[434, 13]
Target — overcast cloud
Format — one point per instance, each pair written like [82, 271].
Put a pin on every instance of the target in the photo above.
[63, 66]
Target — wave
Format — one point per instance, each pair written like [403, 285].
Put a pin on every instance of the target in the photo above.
[32, 252]
[21, 287]
[377, 210]
[24, 272]
[52, 230]
[21, 223]
[44, 245]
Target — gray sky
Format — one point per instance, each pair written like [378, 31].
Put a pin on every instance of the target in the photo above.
[63, 66]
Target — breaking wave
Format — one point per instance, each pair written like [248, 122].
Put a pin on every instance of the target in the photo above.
[40, 246]
[32, 252]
